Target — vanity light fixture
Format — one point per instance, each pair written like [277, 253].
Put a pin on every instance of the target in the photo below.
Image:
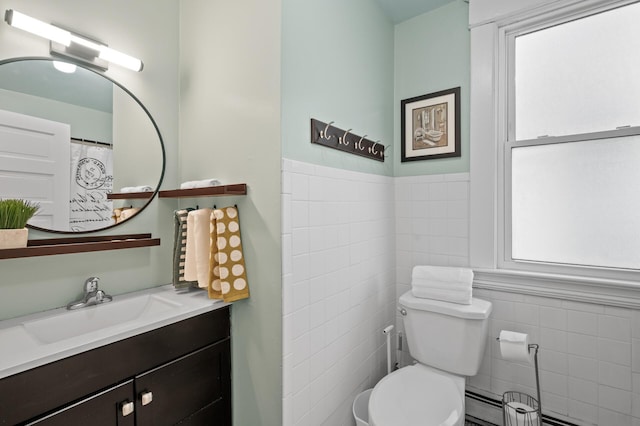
[67, 44]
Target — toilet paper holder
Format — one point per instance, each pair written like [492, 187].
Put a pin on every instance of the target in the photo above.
[524, 417]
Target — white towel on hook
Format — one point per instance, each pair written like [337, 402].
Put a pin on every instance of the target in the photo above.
[141, 188]
[198, 247]
[199, 183]
[443, 283]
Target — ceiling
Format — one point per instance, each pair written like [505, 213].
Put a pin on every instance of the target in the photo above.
[401, 10]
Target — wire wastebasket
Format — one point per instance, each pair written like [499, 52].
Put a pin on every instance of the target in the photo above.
[520, 409]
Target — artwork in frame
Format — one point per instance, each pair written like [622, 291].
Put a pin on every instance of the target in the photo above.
[430, 126]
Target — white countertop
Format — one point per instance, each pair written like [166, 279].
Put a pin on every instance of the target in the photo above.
[21, 349]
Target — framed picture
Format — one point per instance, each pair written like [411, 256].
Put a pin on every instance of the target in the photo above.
[430, 126]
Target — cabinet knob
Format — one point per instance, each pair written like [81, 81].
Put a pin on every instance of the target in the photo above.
[127, 408]
[146, 397]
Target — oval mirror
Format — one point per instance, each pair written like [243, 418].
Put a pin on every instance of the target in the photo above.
[76, 142]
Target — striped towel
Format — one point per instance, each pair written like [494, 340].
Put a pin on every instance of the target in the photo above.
[179, 250]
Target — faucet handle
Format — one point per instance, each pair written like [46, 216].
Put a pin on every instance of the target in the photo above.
[91, 285]
[102, 297]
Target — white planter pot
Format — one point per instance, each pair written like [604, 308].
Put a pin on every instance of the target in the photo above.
[13, 238]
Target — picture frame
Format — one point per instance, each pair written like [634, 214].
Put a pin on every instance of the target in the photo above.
[430, 126]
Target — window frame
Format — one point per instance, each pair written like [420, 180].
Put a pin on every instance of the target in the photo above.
[491, 143]
[508, 142]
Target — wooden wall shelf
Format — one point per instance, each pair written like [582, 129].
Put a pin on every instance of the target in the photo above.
[48, 247]
[129, 195]
[209, 191]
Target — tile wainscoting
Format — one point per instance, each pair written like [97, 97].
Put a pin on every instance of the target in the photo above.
[589, 354]
[338, 289]
[350, 241]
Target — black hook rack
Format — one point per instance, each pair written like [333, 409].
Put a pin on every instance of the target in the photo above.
[330, 136]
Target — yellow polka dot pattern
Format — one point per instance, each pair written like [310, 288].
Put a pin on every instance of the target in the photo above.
[228, 279]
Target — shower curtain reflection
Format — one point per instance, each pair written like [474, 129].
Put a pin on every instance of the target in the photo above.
[91, 182]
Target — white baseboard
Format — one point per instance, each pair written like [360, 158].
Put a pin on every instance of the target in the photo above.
[489, 410]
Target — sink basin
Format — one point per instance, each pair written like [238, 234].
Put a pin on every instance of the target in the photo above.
[43, 337]
[90, 319]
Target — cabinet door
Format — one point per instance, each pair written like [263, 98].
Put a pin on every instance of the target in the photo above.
[103, 409]
[194, 389]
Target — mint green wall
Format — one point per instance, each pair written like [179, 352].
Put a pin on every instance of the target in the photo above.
[86, 123]
[337, 65]
[40, 283]
[253, 74]
[432, 54]
[341, 61]
[230, 130]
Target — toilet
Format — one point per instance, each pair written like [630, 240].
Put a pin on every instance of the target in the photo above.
[447, 340]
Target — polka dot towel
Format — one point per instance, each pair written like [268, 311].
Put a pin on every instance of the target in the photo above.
[228, 276]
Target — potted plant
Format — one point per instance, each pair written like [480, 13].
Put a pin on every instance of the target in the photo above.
[14, 215]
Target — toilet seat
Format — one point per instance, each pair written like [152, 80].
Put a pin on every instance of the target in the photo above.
[418, 395]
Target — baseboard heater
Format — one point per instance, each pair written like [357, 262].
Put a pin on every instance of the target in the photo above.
[497, 404]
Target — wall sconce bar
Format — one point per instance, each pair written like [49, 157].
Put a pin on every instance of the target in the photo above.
[67, 44]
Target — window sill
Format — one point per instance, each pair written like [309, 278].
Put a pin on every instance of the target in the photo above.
[566, 287]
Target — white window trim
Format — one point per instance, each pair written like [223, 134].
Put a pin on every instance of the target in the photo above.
[488, 85]
[601, 291]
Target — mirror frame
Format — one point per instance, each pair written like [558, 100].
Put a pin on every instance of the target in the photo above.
[127, 91]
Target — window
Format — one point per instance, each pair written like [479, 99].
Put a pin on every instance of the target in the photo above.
[571, 139]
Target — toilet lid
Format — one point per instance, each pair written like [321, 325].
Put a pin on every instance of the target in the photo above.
[417, 396]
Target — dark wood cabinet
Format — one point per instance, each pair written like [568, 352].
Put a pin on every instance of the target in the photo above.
[177, 374]
[102, 409]
[181, 389]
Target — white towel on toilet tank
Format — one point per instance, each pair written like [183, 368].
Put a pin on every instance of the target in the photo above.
[442, 283]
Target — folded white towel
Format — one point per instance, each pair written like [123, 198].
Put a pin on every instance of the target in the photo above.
[141, 188]
[453, 296]
[198, 247]
[443, 273]
[199, 183]
[442, 283]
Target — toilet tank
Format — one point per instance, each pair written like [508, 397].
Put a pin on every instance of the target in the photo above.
[447, 336]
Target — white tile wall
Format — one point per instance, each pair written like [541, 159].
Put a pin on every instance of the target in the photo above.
[590, 354]
[587, 370]
[585, 358]
[342, 279]
[432, 228]
[338, 289]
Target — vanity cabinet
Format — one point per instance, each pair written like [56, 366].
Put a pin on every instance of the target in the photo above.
[177, 374]
[96, 410]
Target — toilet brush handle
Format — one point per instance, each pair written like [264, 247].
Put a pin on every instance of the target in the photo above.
[387, 332]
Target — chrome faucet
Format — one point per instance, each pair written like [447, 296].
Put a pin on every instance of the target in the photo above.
[92, 295]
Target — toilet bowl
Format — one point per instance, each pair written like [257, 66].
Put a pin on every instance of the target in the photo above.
[418, 395]
[447, 340]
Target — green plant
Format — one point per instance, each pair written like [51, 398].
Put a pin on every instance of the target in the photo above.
[14, 214]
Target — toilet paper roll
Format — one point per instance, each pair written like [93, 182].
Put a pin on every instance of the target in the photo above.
[519, 414]
[514, 346]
